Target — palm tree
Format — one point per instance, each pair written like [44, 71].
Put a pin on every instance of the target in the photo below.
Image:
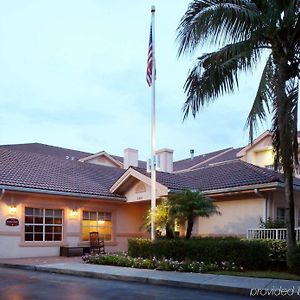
[243, 29]
[163, 218]
[188, 205]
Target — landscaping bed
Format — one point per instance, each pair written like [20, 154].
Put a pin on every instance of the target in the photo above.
[200, 255]
[123, 260]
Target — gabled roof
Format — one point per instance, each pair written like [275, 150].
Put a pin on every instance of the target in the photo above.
[243, 151]
[133, 175]
[65, 153]
[187, 164]
[21, 169]
[43, 149]
[27, 171]
[105, 154]
[226, 175]
[225, 156]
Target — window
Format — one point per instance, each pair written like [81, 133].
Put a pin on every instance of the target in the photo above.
[280, 214]
[97, 221]
[43, 225]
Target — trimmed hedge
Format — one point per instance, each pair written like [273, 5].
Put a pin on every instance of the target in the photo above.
[250, 254]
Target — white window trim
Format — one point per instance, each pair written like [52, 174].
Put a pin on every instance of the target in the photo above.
[98, 226]
[44, 225]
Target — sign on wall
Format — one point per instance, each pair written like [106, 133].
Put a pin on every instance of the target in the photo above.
[12, 222]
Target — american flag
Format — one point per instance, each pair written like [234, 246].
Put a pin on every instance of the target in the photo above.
[150, 60]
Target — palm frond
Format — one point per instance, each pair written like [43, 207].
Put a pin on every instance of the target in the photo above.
[217, 73]
[216, 20]
[263, 99]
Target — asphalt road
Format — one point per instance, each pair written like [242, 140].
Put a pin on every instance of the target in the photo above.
[20, 285]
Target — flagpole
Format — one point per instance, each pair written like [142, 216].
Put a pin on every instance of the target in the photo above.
[153, 133]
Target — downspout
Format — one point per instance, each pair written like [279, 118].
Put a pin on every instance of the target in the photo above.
[2, 194]
[259, 194]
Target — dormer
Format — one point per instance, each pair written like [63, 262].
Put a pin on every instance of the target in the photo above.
[102, 158]
[260, 152]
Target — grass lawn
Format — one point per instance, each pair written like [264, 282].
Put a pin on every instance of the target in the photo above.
[261, 274]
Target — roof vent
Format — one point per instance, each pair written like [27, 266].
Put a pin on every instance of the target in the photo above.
[192, 151]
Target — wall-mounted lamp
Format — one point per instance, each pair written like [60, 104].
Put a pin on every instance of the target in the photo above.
[101, 222]
[74, 213]
[12, 209]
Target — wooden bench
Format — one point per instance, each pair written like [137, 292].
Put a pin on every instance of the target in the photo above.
[73, 251]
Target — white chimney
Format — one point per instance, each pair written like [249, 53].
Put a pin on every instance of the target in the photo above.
[166, 159]
[131, 157]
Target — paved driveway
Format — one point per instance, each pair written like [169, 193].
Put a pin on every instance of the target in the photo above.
[29, 285]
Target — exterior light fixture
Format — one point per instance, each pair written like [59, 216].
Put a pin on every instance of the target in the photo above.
[74, 213]
[12, 209]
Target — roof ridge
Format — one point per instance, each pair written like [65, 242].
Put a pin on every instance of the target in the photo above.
[42, 144]
[214, 165]
[56, 159]
[204, 154]
[213, 157]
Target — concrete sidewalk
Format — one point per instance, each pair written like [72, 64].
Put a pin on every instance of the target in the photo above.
[222, 283]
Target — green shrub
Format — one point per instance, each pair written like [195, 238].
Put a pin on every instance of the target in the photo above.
[163, 264]
[251, 254]
[272, 223]
[277, 250]
[294, 260]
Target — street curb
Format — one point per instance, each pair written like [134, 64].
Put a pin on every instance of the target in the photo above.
[154, 281]
[149, 280]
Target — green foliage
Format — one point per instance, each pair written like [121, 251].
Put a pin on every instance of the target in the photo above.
[278, 250]
[163, 218]
[294, 260]
[159, 264]
[183, 206]
[241, 31]
[272, 223]
[250, 254]
[190, 204]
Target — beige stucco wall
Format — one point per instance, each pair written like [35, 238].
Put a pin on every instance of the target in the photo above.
[236, 217]
[126, 221]
[260, 154]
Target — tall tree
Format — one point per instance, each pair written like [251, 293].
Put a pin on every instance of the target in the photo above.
[243, 29]
[188, 205]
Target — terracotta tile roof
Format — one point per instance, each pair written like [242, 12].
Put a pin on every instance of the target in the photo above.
[199, 159]
[36, 171]
[38, 166]
[60, 152]
[226, 156]
[229, 174]
[44, 149]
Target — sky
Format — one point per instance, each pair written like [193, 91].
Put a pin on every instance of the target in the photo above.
[72, 74]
